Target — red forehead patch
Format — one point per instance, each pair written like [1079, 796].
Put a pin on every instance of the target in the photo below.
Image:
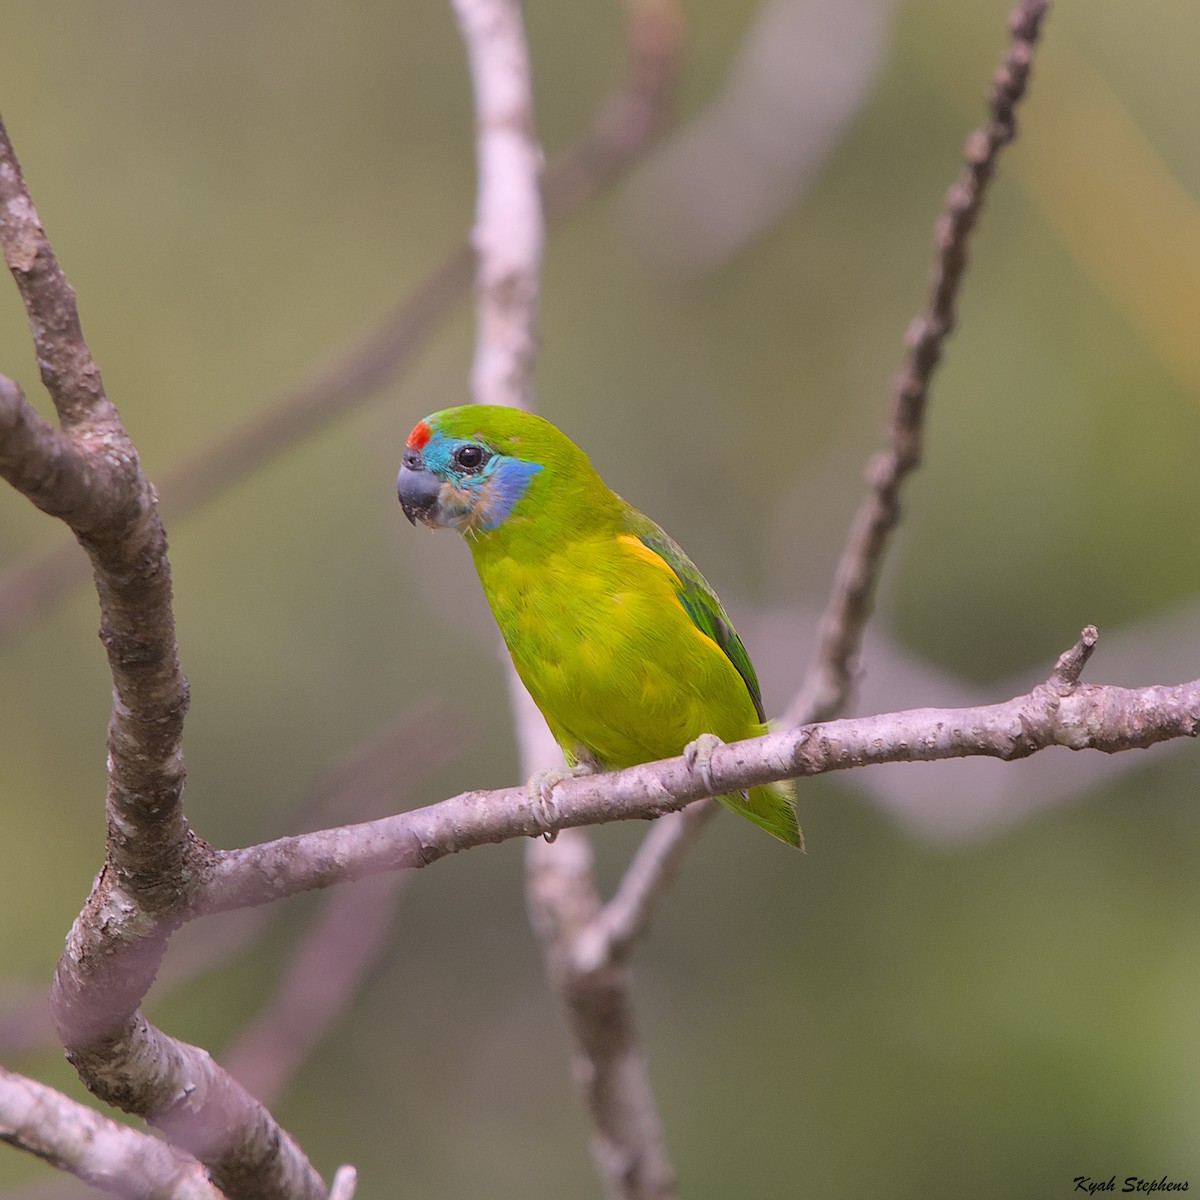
[420, 435]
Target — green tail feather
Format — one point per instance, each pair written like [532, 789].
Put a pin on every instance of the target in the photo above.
[772, 807]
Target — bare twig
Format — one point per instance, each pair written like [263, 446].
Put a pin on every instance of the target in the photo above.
[88, 473]
[1086, 716]
[198, 1106]
[98, 1150]
[830, 678]
[1069, 667]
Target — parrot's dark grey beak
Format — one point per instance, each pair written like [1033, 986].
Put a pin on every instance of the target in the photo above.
[417, 488]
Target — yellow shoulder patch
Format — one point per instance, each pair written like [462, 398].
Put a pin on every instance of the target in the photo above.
[646, 554]
[638, 547]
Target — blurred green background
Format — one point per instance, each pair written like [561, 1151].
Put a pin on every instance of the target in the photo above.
[237, 190]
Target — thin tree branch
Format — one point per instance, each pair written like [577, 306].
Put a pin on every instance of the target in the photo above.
[1055, 713]
[610, 937]
[98, 1150]
[829, 680]
[45, 464]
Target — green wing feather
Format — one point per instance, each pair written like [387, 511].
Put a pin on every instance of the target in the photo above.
[772, 807]
[700, 603]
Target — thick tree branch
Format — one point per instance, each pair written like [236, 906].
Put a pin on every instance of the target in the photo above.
[829, 680]
[99, 1151]
[199, 1106]
[89, 473]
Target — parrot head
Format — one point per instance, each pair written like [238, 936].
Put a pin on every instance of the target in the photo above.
[470, 468]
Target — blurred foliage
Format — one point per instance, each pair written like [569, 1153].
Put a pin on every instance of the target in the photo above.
[236, 189]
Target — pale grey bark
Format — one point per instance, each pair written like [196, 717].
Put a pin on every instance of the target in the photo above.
[100, 1151]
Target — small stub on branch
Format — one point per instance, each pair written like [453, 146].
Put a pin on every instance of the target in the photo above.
[1070, 664]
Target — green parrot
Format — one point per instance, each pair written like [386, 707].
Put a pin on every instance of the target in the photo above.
[622, 644]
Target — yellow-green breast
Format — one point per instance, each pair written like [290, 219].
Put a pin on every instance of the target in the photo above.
[599, 637]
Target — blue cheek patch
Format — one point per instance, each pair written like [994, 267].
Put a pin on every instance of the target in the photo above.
[500, 488]
[481, 501]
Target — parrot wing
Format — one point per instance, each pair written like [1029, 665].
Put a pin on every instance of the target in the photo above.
[699, 601]
[773, 806]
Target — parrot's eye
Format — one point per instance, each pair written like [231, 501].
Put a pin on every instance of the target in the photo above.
[469, 458]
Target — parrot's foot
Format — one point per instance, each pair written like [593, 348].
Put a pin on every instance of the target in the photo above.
[698, 756]
[540, 790]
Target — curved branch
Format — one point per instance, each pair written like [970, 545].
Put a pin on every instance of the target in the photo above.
[88, 473]
[90, 476]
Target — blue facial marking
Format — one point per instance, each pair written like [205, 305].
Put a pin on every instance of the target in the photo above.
[504, 483]
[483, 498]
